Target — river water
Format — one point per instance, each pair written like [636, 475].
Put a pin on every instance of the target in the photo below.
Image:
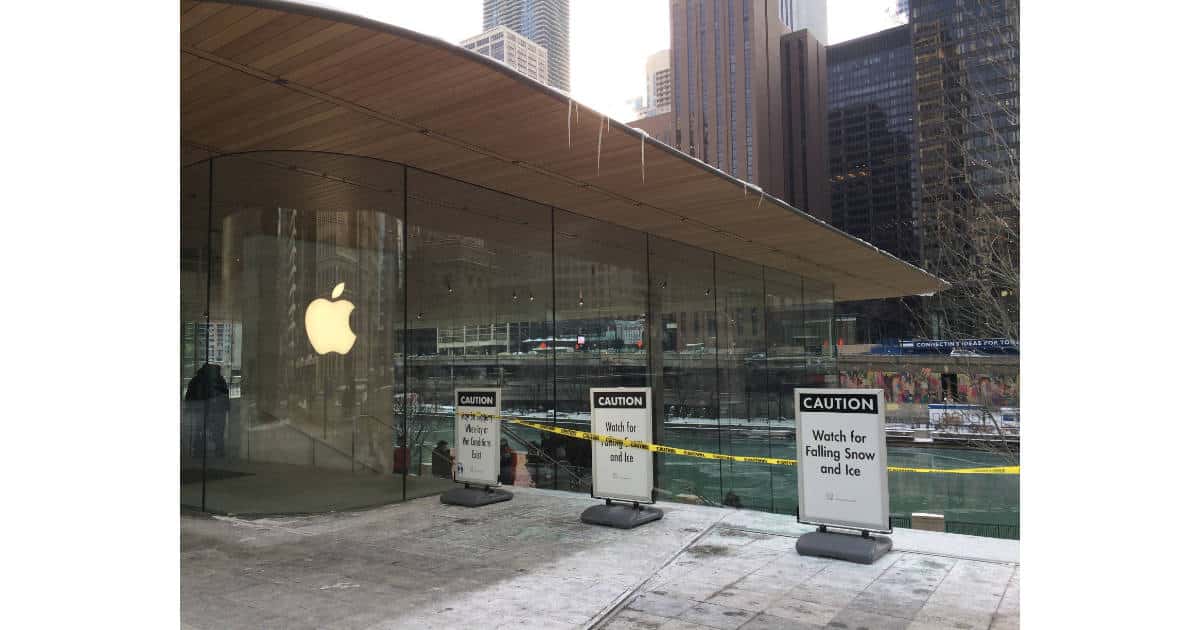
[982, 499]
[967, 499]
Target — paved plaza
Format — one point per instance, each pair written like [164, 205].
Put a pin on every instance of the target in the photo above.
[531, 563]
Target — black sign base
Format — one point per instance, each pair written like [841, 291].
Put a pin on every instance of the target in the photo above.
[475, 497]
[620, 515]
[851, 547]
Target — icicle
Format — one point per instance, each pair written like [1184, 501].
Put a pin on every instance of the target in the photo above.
[570, 103]
[643, 156]
[599, 141]
[760, 198]
[745, 189]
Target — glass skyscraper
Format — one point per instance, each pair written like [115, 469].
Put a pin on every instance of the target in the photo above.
[872, 161]
[871, 169]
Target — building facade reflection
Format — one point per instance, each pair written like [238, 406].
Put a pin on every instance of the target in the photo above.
[454, 285]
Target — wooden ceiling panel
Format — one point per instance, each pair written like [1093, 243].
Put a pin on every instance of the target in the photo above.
[284, 76]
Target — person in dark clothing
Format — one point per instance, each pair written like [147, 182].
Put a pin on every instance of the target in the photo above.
[534, 463]
[441, 460]
[508, 463]
[207, 404]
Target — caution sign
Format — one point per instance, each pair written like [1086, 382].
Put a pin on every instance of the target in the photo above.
[476, 439]
[841, 451]
[620, 471]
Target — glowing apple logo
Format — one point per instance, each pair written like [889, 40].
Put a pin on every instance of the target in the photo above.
[328, 323]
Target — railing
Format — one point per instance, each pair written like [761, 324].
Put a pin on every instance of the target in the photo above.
[576, 482]
[354, 440]
[990, 530]
[314, 441]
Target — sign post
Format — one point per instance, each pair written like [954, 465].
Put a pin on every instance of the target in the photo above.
[841, 454]
[477, 449]
[620, 473]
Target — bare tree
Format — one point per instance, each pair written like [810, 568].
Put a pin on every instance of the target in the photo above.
[969, 166]
[969, 163]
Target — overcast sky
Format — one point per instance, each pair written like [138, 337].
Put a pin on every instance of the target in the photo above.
[610, 39]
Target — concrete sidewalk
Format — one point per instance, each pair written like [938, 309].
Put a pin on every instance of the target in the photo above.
[530, 562]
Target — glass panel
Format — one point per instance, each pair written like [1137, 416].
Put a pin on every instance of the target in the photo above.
[193, 349]
[819, 343]
[685, 369]
[600, 330]
[480, 315]
[744, 402]
[306, 299]
[787, 371]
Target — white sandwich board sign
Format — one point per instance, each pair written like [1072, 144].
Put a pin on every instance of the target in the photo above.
[476, 439]
[841, 455]
[618, 472]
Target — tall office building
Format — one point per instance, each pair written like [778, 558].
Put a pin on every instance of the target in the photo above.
[513, 50]
[725, 83]
[727, 90]
[658, 83]
[804, 98]
[546, 22]
[872, 163]
[871, 140]
[967, 132]
[806, 14]
[657, 99]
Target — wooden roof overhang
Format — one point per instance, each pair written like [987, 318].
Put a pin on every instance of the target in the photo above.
[270, 75]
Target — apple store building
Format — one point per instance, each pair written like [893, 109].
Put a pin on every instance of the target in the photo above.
[371, 218]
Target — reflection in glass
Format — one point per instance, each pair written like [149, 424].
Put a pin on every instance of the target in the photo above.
[600, 328]
[787, 370]
[741, 359]
[330, 305]
[193, 345]
[308, 427]
[479, 316]
[685, 368]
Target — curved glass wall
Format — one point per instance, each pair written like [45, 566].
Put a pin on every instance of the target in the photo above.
[304, 296]
[294, 401]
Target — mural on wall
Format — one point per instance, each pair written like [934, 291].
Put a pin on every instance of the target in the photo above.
[922, 386]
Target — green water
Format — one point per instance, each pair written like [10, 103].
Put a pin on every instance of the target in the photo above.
[986, 499]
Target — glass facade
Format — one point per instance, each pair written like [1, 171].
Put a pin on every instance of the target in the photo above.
[874, 187]
[871, 143]
[292, 401]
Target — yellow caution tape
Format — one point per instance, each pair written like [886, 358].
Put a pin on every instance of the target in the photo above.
[993, 470]
[609, 440]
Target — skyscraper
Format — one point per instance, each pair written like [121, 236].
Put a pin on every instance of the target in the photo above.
[657, 99]
[967, 61]
[727, 83]
[871, 139]
[546, 22]
[804, 97]
[725, 79]
[872, 168]
[806, 14]
[658, 83]
[513, 50]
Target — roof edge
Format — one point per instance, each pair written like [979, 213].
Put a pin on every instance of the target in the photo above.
[321, 11]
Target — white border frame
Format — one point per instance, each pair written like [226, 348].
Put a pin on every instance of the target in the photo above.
[495, 481]
[885, 507]
[649, 498]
